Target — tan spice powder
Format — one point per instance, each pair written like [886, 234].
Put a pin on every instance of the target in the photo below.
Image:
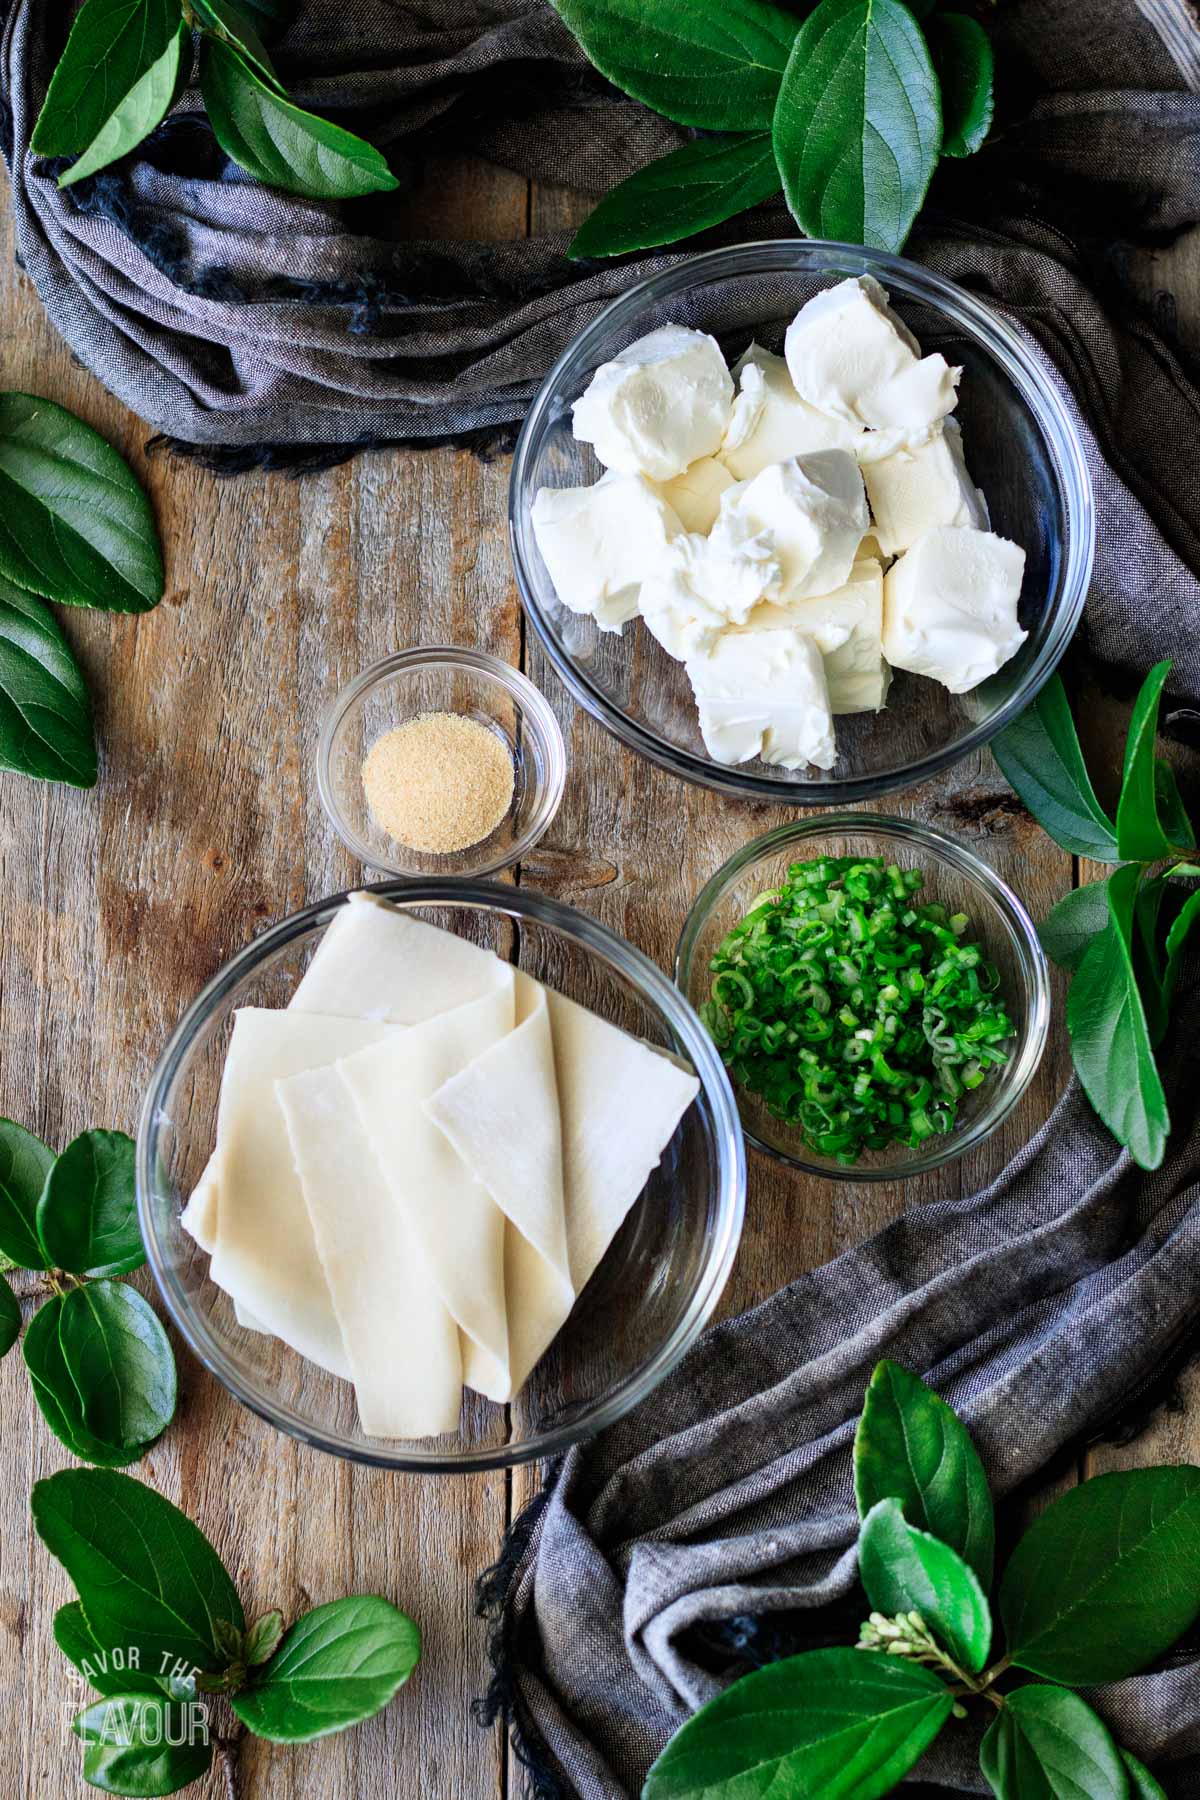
[438, 782]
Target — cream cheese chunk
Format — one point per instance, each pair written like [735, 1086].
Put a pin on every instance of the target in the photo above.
[919, 487]
[811, 511]
[600, 543]
[764, 693]
[851, 356]
[950, 606]
[659, 405]
[847, 628]
[770, 422]
[695, 496]
[704, 584]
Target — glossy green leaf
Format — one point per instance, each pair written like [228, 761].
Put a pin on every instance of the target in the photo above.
[1110, 1037]
[912, 1447]
[717, 67]
[694, 187]
[143, 1744]
[1142, 1785]
[262, 1639]
[1141, 836]
[858, 124]
[962, 56]
[87, 1215]
[57, 1395]
[1042, 762]
[121, 1363]
[74, 522]
[1147, 951]
[234, 26]
[337, 1665]
[828, 1725]
[280, 143]
[906, 1570]
[1046, 1744]
[10, 1318]
[25, 1163]
[45, 713]
[1070, 926]
[139, 112]
[1107, 1578]
[105, 1670]
[1182, 926]
[147, 1578]
[113, 44]
[1172, 812]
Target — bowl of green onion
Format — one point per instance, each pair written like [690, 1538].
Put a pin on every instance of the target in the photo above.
[878, 995]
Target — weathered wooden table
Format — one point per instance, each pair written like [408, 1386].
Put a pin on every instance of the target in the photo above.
[119, 903]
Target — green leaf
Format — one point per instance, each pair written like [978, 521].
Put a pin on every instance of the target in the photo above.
[910, 1446]
[74, 522]
[113, 43]
[716, 67]
[143, 1744]
[694, 187]
[262, 1639]
[338, 1664]
[1148, 966]
[119, 1358]
[58, 1396]
[45, 712]
[1142, 1785]
[962, 56]
[906, 1570]
[1181, 928]
[139, 112]
[1107, 1578]
[233, 26]
[1046, 1744]
[833, 1724]
[1110, 1037]
[87, 1215]
[858, 124]
[147, 1578]
[1073, 922]
[105, 1670]
[25, 1163]
[1042, 762]
[10, 1318]
[1171, 810]
[279, 143]
[1141, 836]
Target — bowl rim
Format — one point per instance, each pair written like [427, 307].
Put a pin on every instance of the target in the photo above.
[978, 873]
[538, 709]
[981, 322]
[685, 1029]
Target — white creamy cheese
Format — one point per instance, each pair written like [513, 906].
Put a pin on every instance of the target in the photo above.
[763, 693]
[657, 406]
[812, 511]
[851, 356]
[600, 542]
[695, 496]
[704, 584]
[919, 487]
[847, 628]
[770, 422]
[950, 606]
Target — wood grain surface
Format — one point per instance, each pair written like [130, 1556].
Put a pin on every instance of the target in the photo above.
[120, 902]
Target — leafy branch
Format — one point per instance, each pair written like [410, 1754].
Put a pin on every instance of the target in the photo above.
[847, 112]
[100, 1363]
[1100, 1585]
[1121, 938]
[159, 1631]
[127, 62]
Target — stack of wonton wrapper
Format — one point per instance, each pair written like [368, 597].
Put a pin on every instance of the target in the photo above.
[425, 1148]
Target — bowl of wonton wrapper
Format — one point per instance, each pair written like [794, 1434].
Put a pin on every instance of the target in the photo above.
[637, 1314]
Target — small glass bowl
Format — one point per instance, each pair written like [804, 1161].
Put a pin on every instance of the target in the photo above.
[442, 679]
[659, 1280]
[953, 876]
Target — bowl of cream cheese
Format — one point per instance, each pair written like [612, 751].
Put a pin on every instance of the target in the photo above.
[802, 521]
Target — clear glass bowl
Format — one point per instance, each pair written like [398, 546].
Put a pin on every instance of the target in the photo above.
[442, 679]
[1022, 449]
[954, 876]
[659, 1282]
